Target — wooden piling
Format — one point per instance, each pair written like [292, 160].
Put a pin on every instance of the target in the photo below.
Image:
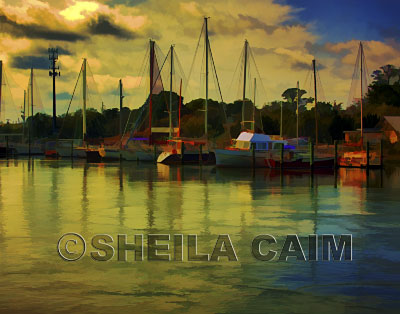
[381, 153]
[336, 154]
[281, 153]
[253, 154]
[367, 155]
[311, 152]
[7, 148]
[201, 153]
[182, 152]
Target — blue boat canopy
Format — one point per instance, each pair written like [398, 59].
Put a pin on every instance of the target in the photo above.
[253, 137]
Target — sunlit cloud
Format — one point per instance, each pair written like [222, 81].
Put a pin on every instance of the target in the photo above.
[79, 10]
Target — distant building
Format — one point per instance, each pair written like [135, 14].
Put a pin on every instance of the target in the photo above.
[390, 126]
[372, 135]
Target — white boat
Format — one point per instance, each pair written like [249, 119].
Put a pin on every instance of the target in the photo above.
[240, 154]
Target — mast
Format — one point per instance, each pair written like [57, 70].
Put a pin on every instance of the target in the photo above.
[170, 93]
[121, 97]
[253, 128]
[24, 116]
[84, 93]
[361, 96]
[31, 124]
[206, 101]
[1, 83]
[151, 86]
[244, 80]
[180, 105]
[315, 103]
[281, 133]
[297, 122]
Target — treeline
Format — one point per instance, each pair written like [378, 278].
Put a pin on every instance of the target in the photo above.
[383, 98]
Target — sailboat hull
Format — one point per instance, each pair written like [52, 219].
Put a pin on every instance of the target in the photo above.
[170, 158]
[239, 158]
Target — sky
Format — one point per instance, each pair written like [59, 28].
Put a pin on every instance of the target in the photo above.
[113, 35]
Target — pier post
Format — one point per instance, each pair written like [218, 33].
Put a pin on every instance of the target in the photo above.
[336, 154]
[367, 155]
[253, 154]
[72, 149]
[155, 153]
[182, 152]
[381, 153]
[311, 151]
[201, 154]
[7, 146]
[281, 153]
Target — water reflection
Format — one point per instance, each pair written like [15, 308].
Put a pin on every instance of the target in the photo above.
[41, 199]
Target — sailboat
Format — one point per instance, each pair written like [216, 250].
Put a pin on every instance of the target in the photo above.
[191, 150]
[76, 147]
[298, 158]
[357, 157]
[30, 147]
[249, 149]
[147, 144]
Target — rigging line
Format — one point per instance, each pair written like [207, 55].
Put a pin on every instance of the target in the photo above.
[355, 73]
[12, 103]
[215, 71]
[69, 105]
[258, 73]
[320, 83]
[180, 68]
[236, 68]
[366, 67]
[94, 81]
[194, 58]
[143, 66]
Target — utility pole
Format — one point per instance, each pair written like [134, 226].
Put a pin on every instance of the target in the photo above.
[315, 102]
[53, 57]
[206, 102]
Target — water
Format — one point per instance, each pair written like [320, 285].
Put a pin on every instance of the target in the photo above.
[42, 199]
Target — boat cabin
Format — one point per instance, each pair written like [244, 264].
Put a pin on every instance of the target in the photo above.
[261, 142]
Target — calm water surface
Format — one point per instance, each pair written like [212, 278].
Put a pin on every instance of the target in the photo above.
[42, 199]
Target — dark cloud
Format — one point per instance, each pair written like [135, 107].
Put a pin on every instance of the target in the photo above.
[36, 31]
[257, 24]
[61, 96]
[61, 51]
[27, 62]
[390, 32]
[104, 25]
[261, 50]
[298, 66]
[322, 50]
[129, 3]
